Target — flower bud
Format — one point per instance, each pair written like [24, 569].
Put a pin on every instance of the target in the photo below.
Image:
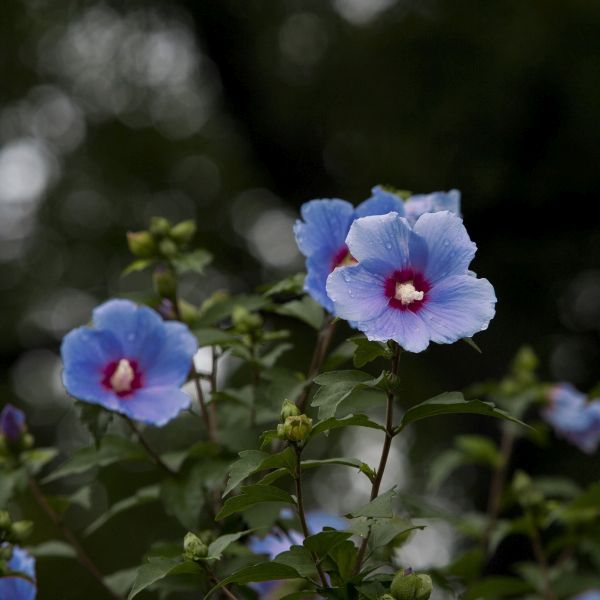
[141, 244]
[165, 283]
[193, 547]
[159, 226]
[167, 248]
[12, 423]
[183, 232]
[281, 431]
[289, 409]
[244, 321]
[5, 521]
[386, 597]
[297, 429]
[411, 586]
[21, 530]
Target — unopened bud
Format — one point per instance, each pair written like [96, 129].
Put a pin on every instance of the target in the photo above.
[297, 429]
[168, 248]
[289, 409]
[12, 423]
[165, 283]
[159, 226]
[183, 232]
[21, 530]
[193, 547]
[141, 244]
[281, 431]
[244, 321]
[412, 586]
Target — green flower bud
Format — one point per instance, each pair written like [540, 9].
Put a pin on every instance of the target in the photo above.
[411, 586]
[27, 441]
[386, 597]
[289, 409]
[193, 547]
[141, 244]
[183, 232]
[168, 248]
[525, 491]
[165, 283]
[244, 321]
[21, 530]
[159, 226]
[297, 429]
[281, 431]
[5, 521]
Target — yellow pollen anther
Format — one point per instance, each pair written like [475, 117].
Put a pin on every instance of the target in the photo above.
[407, 293]
[123, 376]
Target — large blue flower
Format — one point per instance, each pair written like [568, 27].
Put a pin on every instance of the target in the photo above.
[12, 423]
[412, 284]
[14, 587]
[420, 204]
[321, 235]
[573, 417]
[130, 361]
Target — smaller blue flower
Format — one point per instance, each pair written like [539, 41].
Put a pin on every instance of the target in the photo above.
[573, 417]
[131, 362]
[321, 235]
[419, 204]
[14, 587]
[588, 595]
[412, 284]
[12, 423]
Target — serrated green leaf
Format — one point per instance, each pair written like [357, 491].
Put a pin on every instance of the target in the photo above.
[479, 449]
[368, 351]
[37, 458]
[266, 571]
[195, 261]
[251, 495]
[221, 309]
[216, 548]
[212, 336]
[159, 568]
[344, 556]
[137, 265]
[348, 421]
[298, 558]
[306, 310]
[53, 549]
[323, 542]
[112, 449]
[379, 508]
[453, 403]
[293, 284]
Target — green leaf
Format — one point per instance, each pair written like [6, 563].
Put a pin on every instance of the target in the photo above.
[218, 310]
[471, 342]
[345, 462]
[37, 458]
[306, 310]
[195, 261]
[479, 449]
[290, 285]
[323, 542]
[251, 495]
[53, 549]
[367, 351]
[216, 549]
[212, 336]
[380, 507]
[121, 581]
[453, 403]
[95, 418]
[348, 421]
[266, 571]
[184, 495]
[298, 558]
[112, 449]
[159, 568]
[344, 556]
[385, 531]
[441, 467]
[137, 265]
[142, 496]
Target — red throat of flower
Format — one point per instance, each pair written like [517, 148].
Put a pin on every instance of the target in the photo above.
[342, 258]
[122, 377]
[406, 290]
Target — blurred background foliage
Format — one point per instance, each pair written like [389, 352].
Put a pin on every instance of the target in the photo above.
[235, 112]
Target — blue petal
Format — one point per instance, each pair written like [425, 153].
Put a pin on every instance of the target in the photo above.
[326, 224]
[154, 405]
[85, 354]
[386, 243]
[318, 269]
[450, 248]
[428, 203]
[357, 294]
[171, 363]
[403, 326]
[139, 329]
[458, 307]
[16, 588]
[381, 202]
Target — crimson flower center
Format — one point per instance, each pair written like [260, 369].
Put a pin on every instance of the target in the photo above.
[406, 290]
[342, 258]
[122, 376]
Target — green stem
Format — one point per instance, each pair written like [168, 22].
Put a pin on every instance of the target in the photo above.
[540, 556]
[156, 459]
[385, 452]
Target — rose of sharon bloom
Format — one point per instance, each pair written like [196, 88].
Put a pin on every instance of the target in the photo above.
[274, 544]
[420, 204]
[573, 417]
[13, 587]
[412, 285]
[130, 361]
[12, 423]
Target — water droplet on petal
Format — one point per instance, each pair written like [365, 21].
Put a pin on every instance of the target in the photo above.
[388, 245]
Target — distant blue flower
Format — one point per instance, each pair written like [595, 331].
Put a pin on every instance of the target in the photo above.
[420, 204]
[573, 417]
[412, 284]
[12, 423]
[321, 235]
[589, 595]
[130, 361]
[14, 587]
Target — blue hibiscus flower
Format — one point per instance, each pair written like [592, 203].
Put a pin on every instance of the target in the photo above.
[321, 235]
[15, 587]
[131, 362]
[412, 284]
[12, 423]
[573, 417]
[420, 204]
